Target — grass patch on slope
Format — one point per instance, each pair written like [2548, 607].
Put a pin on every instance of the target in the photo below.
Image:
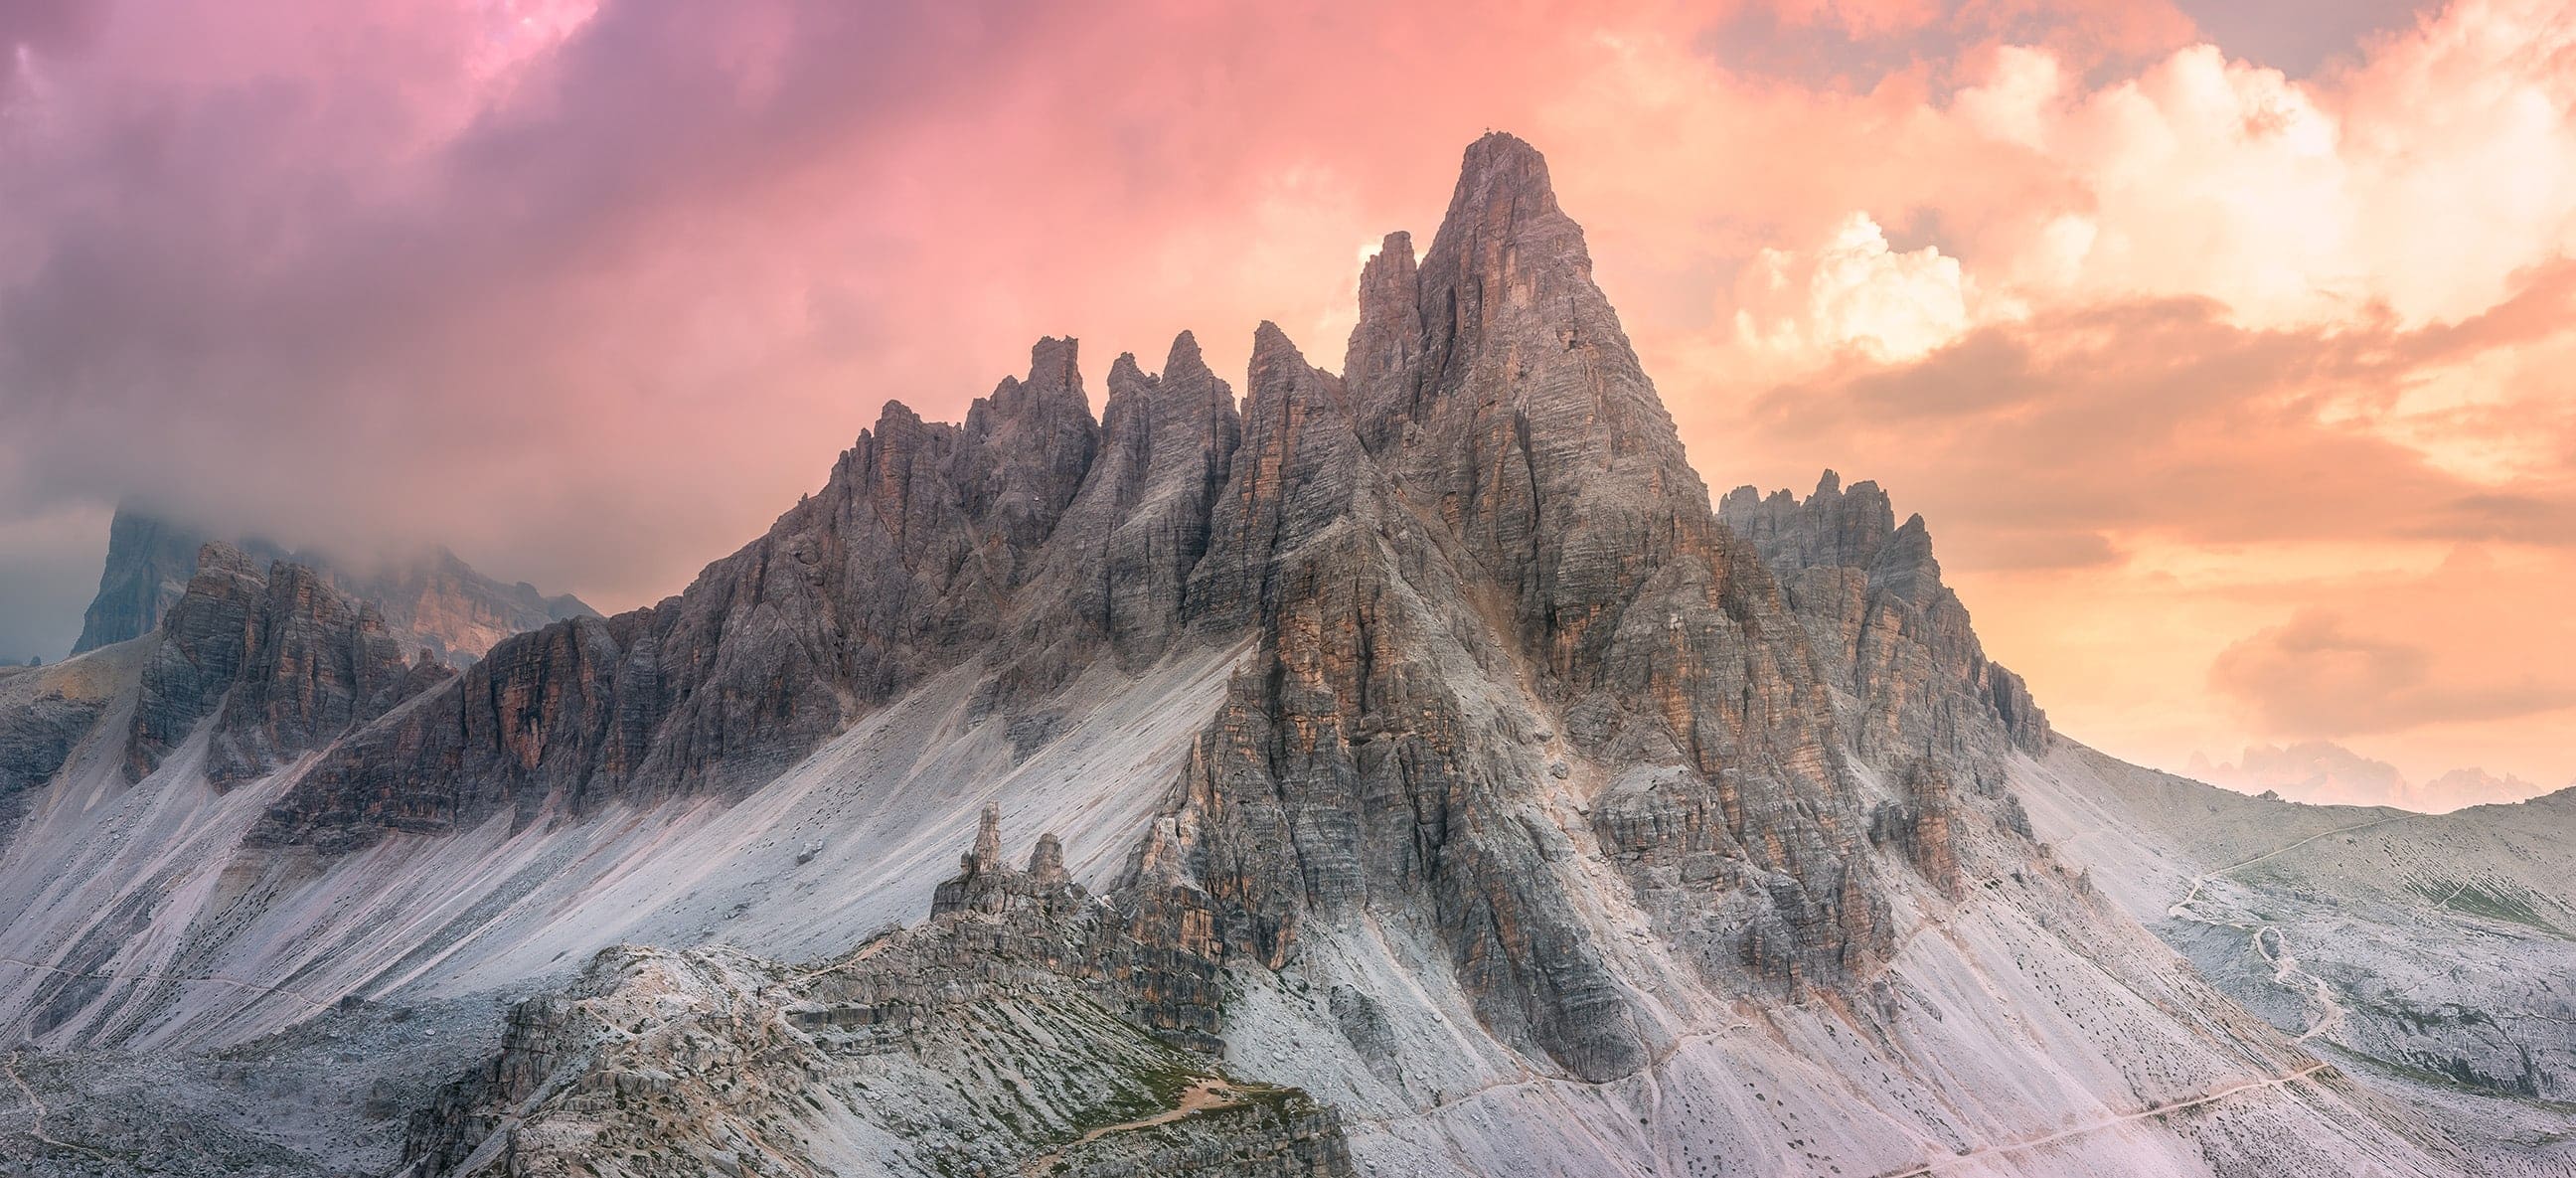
[2480, 901]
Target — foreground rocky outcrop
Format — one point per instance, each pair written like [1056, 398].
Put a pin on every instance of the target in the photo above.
[1000, 1037]
[436, 601]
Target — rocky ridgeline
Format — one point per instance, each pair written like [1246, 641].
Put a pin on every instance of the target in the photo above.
[438, 601]
[1471, 564]
[899, 568]
[1000, 1037]
[282, 662]
[1898, 641]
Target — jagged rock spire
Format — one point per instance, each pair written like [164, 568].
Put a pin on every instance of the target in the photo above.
[987, 854]
[1869, 594]
[1046, 862]
[985, 882]
[1119, 561]
[1293, 477]
[1493, 380]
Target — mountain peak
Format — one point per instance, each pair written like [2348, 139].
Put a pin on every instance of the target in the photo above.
[431, 597]
[1501, 161]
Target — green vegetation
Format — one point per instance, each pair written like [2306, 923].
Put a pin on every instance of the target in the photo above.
[2480, 901]
[2456, 1074]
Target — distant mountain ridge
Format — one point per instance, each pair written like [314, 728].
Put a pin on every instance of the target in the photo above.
[436, 601]
[2324, 773]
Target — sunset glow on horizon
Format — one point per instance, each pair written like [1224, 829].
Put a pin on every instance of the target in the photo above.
[2226, 357]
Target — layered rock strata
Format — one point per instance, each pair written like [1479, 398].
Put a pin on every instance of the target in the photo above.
[282, 663]
[1000, 1037]
[1897, 642]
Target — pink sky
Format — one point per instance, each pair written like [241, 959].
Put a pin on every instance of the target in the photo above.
[2236, 398]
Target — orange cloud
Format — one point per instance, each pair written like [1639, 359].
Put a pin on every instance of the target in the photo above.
[2316, 676]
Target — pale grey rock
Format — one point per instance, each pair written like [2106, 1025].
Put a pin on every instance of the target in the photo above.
[1012, 1033]
[281, 661]
[1896, 641]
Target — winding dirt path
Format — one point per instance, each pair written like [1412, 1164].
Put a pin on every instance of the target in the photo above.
[2287, 972]
[1203, 1095]
[1987, 1151]
[255, 987]
[36, 1110]
[2176, 910]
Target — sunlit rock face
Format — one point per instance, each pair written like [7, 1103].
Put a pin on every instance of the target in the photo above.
[1896, 642]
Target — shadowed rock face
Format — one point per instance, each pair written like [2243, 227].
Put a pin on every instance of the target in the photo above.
[1116, 569]
[283, 662]
[900, 567]
[149, 564]
[1896, 640]
[439, 602]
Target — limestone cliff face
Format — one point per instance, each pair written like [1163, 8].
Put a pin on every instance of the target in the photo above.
[1895, 640]
[283, 662]
[1116, 569]
[1478, 585]
[1355, 761]
[438, 601]
[901, 566]
[149, 564]
[1493, 494]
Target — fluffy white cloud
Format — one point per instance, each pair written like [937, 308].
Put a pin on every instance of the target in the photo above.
[1854, 292]
[2424, 178]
